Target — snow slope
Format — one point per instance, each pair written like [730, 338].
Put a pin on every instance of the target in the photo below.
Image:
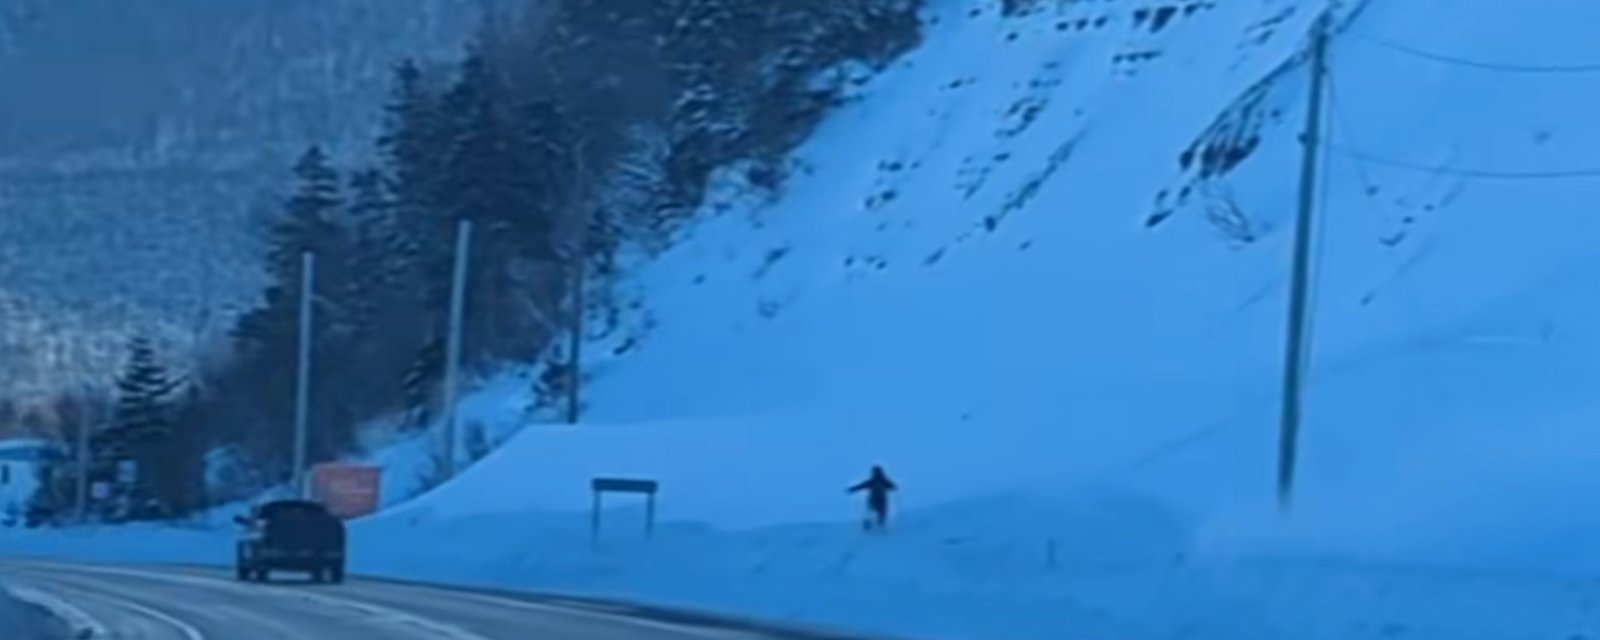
[996, 270]
[1003, 273]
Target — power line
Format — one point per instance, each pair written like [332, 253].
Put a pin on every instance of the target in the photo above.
[1384, 214]
[1477, 64]
[1351, 148]
[1492, 174]
[1368, 185]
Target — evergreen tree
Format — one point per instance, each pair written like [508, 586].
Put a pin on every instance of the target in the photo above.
[494, 179]
[415, 147]
[373, 250]
[141, 428]
[143, 390]
[424, 370]
[53, 495]
[311, 213]
[709, 52]
[9, 413]
[315, 219]
[309, 223]
[413, 141]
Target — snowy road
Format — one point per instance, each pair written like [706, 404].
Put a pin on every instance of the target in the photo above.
[165, 603]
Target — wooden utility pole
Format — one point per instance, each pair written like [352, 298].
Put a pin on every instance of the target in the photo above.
[578, 262]
[87, 419]
[575, 367]
[1295, 351]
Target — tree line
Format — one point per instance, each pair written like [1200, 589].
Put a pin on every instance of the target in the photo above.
[567, 131]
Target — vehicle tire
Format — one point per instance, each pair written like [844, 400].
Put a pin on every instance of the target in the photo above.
[336, 573]
[263, 575]
[242, 572]
[319, 574]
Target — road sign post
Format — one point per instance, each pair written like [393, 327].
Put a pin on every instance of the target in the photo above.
[602, 486]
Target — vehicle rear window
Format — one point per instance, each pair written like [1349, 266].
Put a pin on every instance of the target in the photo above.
[293, 510]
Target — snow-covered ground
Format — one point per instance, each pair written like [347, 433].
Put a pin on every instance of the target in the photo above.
[983, 570]
[999, 274]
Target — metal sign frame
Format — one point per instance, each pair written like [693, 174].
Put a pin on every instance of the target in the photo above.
[602, 486]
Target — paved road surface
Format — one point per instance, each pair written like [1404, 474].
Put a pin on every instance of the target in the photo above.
[183, 603]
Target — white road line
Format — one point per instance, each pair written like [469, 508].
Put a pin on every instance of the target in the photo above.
[433, 628]
[591, 606]
[80, 625]
[188, 631]
[572, 608]
[614, 615]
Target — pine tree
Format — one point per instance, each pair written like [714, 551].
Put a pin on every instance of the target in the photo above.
[312, 209]
[373, 244]
[415, 146]
[708, 50]
[416, 151]
[142, 392]
[413, 141]
[495, 178]
[309, 223]
[315, 219]
[424, 370]
[141, 429]
[9, 413]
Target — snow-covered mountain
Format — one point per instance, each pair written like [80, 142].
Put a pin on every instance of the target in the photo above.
[141, 141]
[1049, 252]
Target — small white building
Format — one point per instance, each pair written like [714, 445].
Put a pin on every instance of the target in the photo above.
[23, 461]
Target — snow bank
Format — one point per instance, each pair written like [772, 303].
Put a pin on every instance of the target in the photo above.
[1119, 567]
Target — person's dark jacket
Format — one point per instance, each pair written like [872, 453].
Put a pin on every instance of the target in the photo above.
[878, 485]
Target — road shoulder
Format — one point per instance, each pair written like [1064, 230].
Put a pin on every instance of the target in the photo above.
[27, 614]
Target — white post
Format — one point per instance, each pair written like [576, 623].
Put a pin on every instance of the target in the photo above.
[302, 392]
[452, 364]
[578, 263]
[1295, 350]
[86, 417]
[575, 355]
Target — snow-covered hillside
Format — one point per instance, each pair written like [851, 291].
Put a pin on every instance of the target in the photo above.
[1039, 270]
[1004, 267]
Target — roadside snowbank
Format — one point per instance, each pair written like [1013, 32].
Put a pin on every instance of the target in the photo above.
[982, 569]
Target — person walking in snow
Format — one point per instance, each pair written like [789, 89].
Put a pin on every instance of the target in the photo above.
[877, 485]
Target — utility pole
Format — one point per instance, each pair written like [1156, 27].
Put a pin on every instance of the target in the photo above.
[575, 367]
[302, 390]
[578, 263]
[452, 363]
[1295, 353]
[86, 417]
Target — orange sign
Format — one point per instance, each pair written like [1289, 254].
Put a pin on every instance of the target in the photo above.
[349, 491]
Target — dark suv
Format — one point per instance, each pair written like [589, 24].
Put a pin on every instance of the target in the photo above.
[291, 535]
